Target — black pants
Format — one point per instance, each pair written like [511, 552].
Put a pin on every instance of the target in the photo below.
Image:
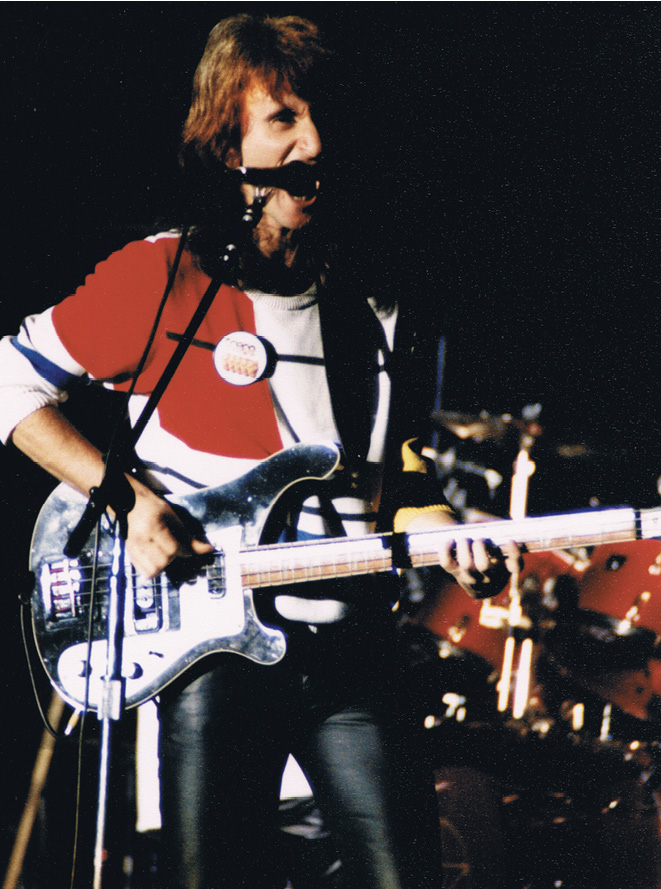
[338, 703]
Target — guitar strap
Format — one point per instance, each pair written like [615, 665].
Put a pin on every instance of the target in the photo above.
[351, 336]
[187, 338]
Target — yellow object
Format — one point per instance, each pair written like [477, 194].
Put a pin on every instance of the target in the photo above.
[407, 513]
[412, 462]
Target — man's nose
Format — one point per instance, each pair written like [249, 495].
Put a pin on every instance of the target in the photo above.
[310, 140]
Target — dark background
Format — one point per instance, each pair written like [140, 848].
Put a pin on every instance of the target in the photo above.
[502, 165]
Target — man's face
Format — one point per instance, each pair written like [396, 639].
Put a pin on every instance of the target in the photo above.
[276, 132]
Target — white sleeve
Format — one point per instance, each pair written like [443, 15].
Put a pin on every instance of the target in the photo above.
[27, 384]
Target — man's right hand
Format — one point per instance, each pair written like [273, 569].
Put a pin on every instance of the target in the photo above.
[156, 534]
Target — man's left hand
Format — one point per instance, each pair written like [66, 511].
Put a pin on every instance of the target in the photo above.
[479, 567]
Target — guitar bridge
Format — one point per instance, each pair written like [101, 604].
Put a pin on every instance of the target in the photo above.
[66, 594]
[61, 585]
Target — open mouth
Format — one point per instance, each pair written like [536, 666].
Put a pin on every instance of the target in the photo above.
[300, 180]
[310, 193]
[304, 185]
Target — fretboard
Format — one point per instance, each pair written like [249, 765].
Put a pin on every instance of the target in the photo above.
[282, 564]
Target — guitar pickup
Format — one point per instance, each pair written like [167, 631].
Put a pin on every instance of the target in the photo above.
[147, 599]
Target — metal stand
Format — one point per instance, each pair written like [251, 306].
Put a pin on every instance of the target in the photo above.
[112, 699]
[524, 467]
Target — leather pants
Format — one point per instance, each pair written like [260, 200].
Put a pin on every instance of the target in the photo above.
[336, 702]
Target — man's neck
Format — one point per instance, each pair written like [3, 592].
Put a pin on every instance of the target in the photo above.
[275, 266]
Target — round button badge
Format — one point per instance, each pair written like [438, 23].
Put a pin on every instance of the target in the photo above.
[241, 358]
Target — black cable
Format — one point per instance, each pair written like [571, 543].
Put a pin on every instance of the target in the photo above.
[24, 606]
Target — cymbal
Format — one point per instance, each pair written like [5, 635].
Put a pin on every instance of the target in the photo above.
[575, 449]
[483, 427]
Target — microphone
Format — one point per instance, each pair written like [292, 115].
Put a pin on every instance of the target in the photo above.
[297, 178]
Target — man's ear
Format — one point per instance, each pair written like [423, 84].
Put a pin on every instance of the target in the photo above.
[232, 158]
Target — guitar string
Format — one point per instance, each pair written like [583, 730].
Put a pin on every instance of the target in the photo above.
[293, 571]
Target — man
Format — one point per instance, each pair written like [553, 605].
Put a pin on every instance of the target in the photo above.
[337, 369]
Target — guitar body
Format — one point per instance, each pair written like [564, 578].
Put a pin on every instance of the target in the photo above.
[177, 618]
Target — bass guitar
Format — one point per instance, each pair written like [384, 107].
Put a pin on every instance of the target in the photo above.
[171, 622]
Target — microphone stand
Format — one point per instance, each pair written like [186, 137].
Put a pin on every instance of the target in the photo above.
[115, 492]
[111, 705]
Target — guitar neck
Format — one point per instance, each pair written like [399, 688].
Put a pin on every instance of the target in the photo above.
[278, 565]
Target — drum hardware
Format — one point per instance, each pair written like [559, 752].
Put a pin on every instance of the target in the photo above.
[609, 644]
[605, 730]
[577, 717]
[632, 616]
[456, 496]
[505, 683]
[523, 679]
[448, 463]
[572, 714]
[613, 709]
[510, 615]
[472, 637]
[455, 710]
[456, 706]
[484, 427]
[524, 467]
[515, 683]
[655, 568]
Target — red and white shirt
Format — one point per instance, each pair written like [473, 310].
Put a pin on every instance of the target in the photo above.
[205, 430]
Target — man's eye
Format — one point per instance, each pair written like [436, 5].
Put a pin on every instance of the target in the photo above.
[286, 116]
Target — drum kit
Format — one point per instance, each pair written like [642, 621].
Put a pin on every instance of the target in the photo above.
[543, 704]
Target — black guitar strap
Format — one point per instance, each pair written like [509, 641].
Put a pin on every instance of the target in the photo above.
[177, 356]
[351, 337]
